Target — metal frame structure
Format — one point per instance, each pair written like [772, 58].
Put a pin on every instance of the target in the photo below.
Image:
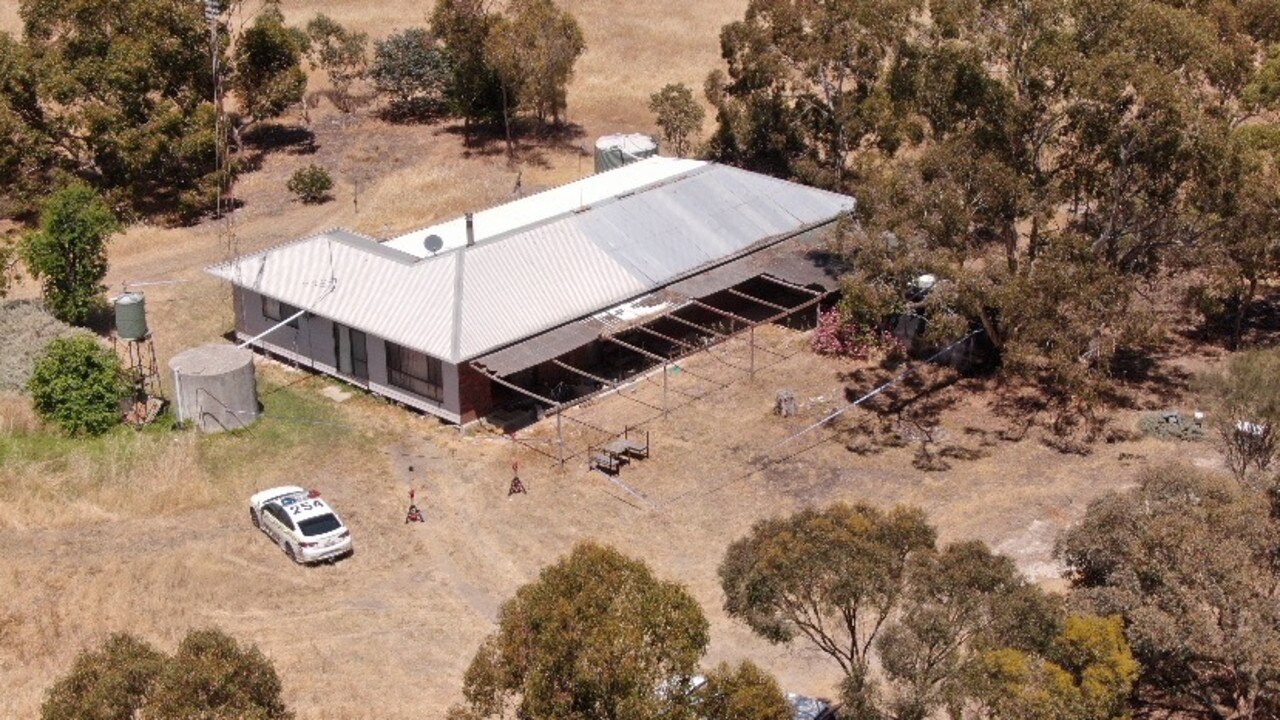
[142, 371]
[617, 386]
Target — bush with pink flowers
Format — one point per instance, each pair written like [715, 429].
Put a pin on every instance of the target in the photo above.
[836, 335]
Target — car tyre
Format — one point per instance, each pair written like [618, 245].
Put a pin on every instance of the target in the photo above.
[288, 550]
[253, 518]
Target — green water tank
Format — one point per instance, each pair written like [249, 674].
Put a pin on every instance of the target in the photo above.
[131, 316]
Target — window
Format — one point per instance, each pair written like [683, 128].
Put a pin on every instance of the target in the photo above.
[319, 525]
[273, 309]
[279, 514]
[411, 370]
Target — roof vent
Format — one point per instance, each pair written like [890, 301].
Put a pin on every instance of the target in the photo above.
[471, 230]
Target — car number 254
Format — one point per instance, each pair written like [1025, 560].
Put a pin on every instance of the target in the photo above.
[305, 506]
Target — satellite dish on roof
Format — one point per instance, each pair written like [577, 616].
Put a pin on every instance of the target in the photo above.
[433, 243]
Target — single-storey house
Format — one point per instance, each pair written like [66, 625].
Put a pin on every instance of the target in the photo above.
[437, 318]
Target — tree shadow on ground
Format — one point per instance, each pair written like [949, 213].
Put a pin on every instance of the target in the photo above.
[267, 138]
[530, 142]
[908, 413]
[412, 112]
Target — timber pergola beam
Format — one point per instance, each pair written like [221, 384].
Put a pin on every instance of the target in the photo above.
[616, 386]
[793, 286]
[494, 377]
[668, 338]
[802, 306]
[660, 358]
[692, 324]
[585, 374]
[725, 313]
[757, 300]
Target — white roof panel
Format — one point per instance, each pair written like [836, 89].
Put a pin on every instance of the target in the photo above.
[542, 206]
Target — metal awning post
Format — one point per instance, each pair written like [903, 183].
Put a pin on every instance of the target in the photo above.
[752, 335]
[664, 390]
[560, 436]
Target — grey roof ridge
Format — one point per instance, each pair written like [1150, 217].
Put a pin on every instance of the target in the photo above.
[455, 333]
[752, 250]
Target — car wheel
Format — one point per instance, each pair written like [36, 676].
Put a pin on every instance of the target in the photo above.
[288, 550]
[253, 518]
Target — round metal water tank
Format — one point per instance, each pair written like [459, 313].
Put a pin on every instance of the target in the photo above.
[131, 316]
[614, 151]
[215, 388]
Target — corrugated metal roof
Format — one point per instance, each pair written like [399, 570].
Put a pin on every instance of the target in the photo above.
[540, 207]
[463, 303]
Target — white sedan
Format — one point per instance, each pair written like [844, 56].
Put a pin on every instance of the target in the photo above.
[302, 524]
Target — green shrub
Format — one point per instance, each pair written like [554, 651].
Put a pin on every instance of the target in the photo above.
[68, 254]
[311, 184]
[78, 384]
[410, 68]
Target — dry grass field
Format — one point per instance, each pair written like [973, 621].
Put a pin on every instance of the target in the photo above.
[146, 532]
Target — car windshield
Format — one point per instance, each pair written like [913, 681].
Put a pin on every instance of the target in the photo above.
[319, 525]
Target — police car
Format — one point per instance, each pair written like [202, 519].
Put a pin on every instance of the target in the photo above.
[302, 524]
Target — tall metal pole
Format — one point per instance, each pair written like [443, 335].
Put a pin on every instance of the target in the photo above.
[752, 335]
[211, 12]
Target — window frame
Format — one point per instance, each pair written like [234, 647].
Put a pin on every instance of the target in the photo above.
[276, 310]
[399, 377]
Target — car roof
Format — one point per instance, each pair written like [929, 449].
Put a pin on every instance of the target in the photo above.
[262, 498]
[307, 506]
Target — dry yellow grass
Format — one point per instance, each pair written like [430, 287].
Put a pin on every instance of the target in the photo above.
[155, 541]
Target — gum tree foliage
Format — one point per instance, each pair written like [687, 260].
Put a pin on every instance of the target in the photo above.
[851, 559]
[475, 92]
[213, 676]
[742, 692]
[870, 589]
[27, 158]
[1087, 673]
[210, 677]
[1244, 409]
[116, 93]
[340, 53]
[1241, 254]
[267, 77]
[77, 384]
[1034, 155]
[411, 69]
[808, 84]
[533, 48]
[68, 254]
[595, 636]
[1188, 559]
[678, 115]
[107, 683]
